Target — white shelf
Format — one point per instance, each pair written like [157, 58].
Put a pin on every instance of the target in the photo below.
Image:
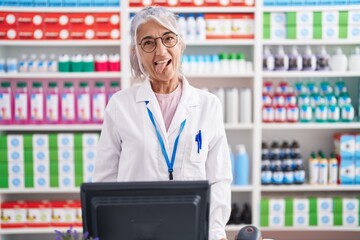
[40, 191]
[67, 43]
[311, 42]
[247, 188]
[310, 228]
[309, 74]
[91, 9]
[310, 188]
[310, 126]
[24, 231]
[62, 75]
[54, 127]
[229, 9]
[240, 126]
[220, 75]
[310, 8]
[221, 42]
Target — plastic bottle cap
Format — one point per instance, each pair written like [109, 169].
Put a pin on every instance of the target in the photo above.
[281, 50]
[38, 34]
[308, 50]
[64, 34]
[68, 84]
[10, 19]
[338, 51]
[76, 58]
[114, 19]
[88, 57]
[101, 58]
[294, 51]
[232, 56]
[63, 20]
[5, 84]
[112, 84]
[115, 34]
[99, 84]
[89, 34]
[21, 84]
[64, 58]
[114, 57]
[83, 84]
[11, 34]
[37, 20]
[52, 85]
[267, 51]
[89, 20]
[37, 84]
[223, 56]
[240, 56]
[241, 148]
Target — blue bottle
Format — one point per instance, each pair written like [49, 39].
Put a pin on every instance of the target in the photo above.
[241, 166]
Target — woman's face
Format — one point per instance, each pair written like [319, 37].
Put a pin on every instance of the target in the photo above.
[163, 63]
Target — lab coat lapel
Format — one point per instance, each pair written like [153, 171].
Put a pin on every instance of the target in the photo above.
[188, 100]
[145, 93]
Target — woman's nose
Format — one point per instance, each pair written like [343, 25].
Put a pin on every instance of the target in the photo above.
[160, 48]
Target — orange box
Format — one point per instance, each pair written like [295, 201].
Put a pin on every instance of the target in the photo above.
[30, 33]
[13, 214]
[8, 32]
[29, 19]
[8, 19]
[56, 19]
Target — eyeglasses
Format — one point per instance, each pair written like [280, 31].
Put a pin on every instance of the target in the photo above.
[169, 40]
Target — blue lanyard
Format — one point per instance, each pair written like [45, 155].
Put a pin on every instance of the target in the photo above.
[168, 163]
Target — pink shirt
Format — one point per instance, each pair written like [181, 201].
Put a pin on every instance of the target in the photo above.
[168, 104]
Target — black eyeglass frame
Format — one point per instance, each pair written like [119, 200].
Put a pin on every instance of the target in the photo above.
[162, 41]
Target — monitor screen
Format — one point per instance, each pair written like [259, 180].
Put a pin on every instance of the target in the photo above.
[175, 210]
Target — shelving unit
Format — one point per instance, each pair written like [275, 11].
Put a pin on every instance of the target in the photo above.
[312, 136]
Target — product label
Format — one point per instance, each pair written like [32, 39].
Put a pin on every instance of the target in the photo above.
[67, 107]
[37, 215]
[83, 101]
[16, 215]
[37, 108]
[5, 107]
[99, 104]
[52, 107]
[20, 106]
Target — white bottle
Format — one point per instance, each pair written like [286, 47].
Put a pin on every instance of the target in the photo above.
[183, 26]
[281, 60]
[232, 105]
[191, 27]
[268, 60]
[200, 27]
[338, 61]
[295, 60]
[245, 105]
[23, 63]
[33, 63]
[309, 60]
[52, 63]
[42, 64]
[354, 60]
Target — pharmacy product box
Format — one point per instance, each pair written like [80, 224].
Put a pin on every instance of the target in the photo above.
[40, 141]
[264, 207]
[16, 169]
[346, 171]
[63, 213]
[90, 140]
[324, 205]
[14, 141]
[325, 219]
[344, 145]
[340, 2]
[291, 18]
[346, 205]
[278, 19]
[56, 20]
[282, 2]
[276, 205]
[343, 18]
[108, 32]
[56, 33]
[41, 181]
[99, 3]
[13, 214]
[297, 2]
[38, 214]
[84, 3]
[350, 220]
[301, 205]
[300, 219]
[330, 32]
[277, 220]
[242, 3]
[66, 181]
[104, 19]
[30, 19]
[218, 26]
[78, 32]
[113, 3]
[353, 17]
[242, 26]
[66, 155]
[26, 3]
[354, 32]
[27, 33]
[88, 154]
[16, 182]
[78, 214]
[55, 3]
[41, 155]
[357, 146]
[304, 18]
[269, 2]
[65, 140]
[304, 32]
[15, 155]
[266, 19]
[310, 2]
[8, 19]
[278, 32]
[42, 168]
[69, 3]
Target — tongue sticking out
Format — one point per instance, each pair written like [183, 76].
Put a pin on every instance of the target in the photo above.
[160, 67]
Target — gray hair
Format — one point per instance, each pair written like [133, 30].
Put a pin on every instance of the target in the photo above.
[164, 17]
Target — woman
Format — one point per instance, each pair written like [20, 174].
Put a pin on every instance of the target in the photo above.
[164, 128]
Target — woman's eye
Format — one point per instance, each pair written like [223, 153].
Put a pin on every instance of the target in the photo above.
[148, 43]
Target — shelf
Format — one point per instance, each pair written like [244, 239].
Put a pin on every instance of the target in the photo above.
[53, 127]
[90, 9]
[247, 188]
[23, 231]
[315, 229]
[221, 42]
[310, 42]
[40, 191]
[310, 188]
[309, 74]
[67, 43]
[310, 126]
[310, 8]
[229, 9]
[62, 75]
[220, 75]
[240, 126]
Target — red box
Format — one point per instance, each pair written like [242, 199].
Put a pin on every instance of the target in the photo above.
[136, 3]
[38, 214]
[30, 33]
[108, 32]
[186, 3]
[30, 19]
[77, 19]
[242, 26]
[212, 3]
[63, 213]
[56, 19]
[243, 3]
[8, 19]
[218, 26]
[56, 33]
[13, 214]
[160, 2]
[8, 32]
[107, 19]
[78, 32]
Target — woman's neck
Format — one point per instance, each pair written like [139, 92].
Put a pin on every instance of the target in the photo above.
[164, 87]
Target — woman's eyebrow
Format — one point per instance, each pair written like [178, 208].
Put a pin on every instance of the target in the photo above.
[151, 37]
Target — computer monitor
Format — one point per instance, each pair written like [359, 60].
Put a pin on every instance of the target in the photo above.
[166, 210]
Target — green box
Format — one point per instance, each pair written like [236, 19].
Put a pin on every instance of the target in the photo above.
[338, 219]
[291, 19]
[337, 205]
[28, 143]
[317, 32]
[3, 141]
[53, 141]
[264, 220]
[266, 19]
[317, 18]
[313, 219]
[343, 31]
[4, 182]
[266, 32]
[291, 32]
[264, 206]
[343, 18]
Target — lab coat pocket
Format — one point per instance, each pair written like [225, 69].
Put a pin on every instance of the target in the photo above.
[195, 160]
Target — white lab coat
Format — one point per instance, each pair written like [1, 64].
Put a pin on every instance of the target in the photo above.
[129, 150]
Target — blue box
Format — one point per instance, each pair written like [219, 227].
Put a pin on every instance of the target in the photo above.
[11, 3]
[26, 3]
[40, 3]
[114, 3]
[283, 2]
[99, 3]
[340, 2]
[310, 2]
[84, 3]
[326, 2]
[55, 3]
[70, 3]
[353, 2]
[269, 2]
[297, 2]
[347, 172]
